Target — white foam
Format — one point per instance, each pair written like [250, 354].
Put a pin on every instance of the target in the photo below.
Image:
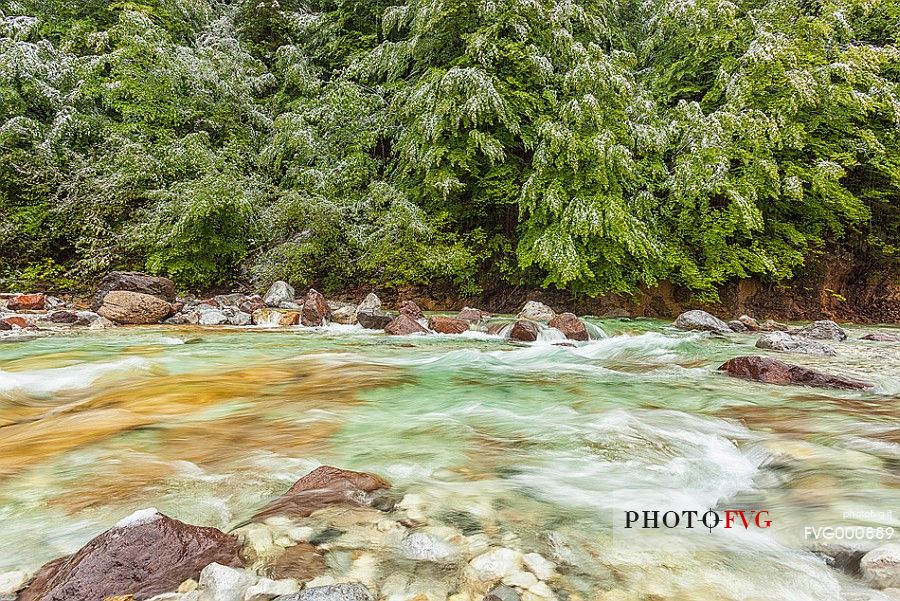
[139, 517]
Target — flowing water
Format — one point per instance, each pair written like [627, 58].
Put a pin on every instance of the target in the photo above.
[543, 445]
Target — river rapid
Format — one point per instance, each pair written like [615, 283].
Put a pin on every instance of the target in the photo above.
[540, 446]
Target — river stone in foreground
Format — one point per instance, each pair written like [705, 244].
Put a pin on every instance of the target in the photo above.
[524, 331]
[782, 341]
[126, 307]
[772, 371]
[881, 566]
[696, 319]
[142, 556]
[349, 591]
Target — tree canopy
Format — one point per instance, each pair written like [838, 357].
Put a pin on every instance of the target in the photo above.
[587, 145]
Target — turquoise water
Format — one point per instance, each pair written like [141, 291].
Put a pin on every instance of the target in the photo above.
[543, 445]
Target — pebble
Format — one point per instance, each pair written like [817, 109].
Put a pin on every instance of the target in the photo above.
[496, 564]
[543, 568]
[222, 583]
[267, 588]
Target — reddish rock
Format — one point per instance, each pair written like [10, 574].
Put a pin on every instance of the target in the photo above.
[315, 309]
[881, 337]
[472, 315]
[177, 306]
[772, 371]
[134, 281]
[210, 302]
[302, 562]
[410, 309]
[150, 556]
[448, 325]
[495, 329]
[524, 330]
[5, 326]
[570, 325]
[63, 317]
[27, 302]
[403, 325]
[16, 320]
[325, 486]
[249, 304]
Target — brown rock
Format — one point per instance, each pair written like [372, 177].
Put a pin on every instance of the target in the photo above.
[374, 321]
[122, 306]
[315, 309]
[749, 323]
[144, 559]
[27, 302]
[403, 325]
[448, 325]
[524, 330]
[570, 325]
[18, 321]
[323, 487]
[63, 317]
[496, 328]
[472, 315]
[4, 326]
[410, 309]
[275, 317]
[772, 371]
[302, 562]
[881, 337]
[249, 304]
[134, 281]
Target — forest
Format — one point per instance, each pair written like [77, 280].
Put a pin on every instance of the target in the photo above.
[590, 146]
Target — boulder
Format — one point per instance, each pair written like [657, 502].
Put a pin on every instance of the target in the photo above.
[881, 337]
[404, 325]
[524, 330]
[325, 486]
[4, 326]
[249, 304]
[63, 317]
[126, 307]
[472, 315]
[315, 310]
[344, 313]
[448, 325]
[737, 326]
[18, 321]
[570, 325]
[134, 281]
[696, 319]
[772, 371]
[410, 309]
[347, 591]
[749, 323]
[369, 304]
[536, 311]
[143, 555]
[372, 320]
[213, 318]
[773, 326]
[782, 341]
[824, 329]
[229, 300]
[495, 329]
[279, 292]
[275, 317]
[27, 302]
[881, 566]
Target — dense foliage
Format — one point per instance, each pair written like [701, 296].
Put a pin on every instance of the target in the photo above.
[588, 145]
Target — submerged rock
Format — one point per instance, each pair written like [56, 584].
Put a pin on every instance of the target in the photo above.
[881, 566]
[142, 556]
[348, 591]
[372, 320]
[697, 319]
[325, 486]
[448, 325]
[495, 564]
[410, 309]
[134, 281]
[27, 302]
[279, 292]
[824, 329]
[275, 317]
[302, 562]
[501, 592]
[126, 307]
[524, 330]
[772, 371]
[404, 325]
[570, 325]
[315, 309]
[267, 589]
[472, 315]
[424, 546]
[881, 337]
[536, 311]
[782, 341]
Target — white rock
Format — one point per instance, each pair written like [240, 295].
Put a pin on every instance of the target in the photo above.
[540, 567]
[496, 564]
[279, 292]
[541, 590]
[221, 583]
[881, 566]
[423, 546]
[301, 534]
[10, 582]
[370, 303]
[521, 579]
[266, 589]
[213, 318]
[536, 311]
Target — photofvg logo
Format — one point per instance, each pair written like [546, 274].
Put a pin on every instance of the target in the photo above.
[726, 519]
